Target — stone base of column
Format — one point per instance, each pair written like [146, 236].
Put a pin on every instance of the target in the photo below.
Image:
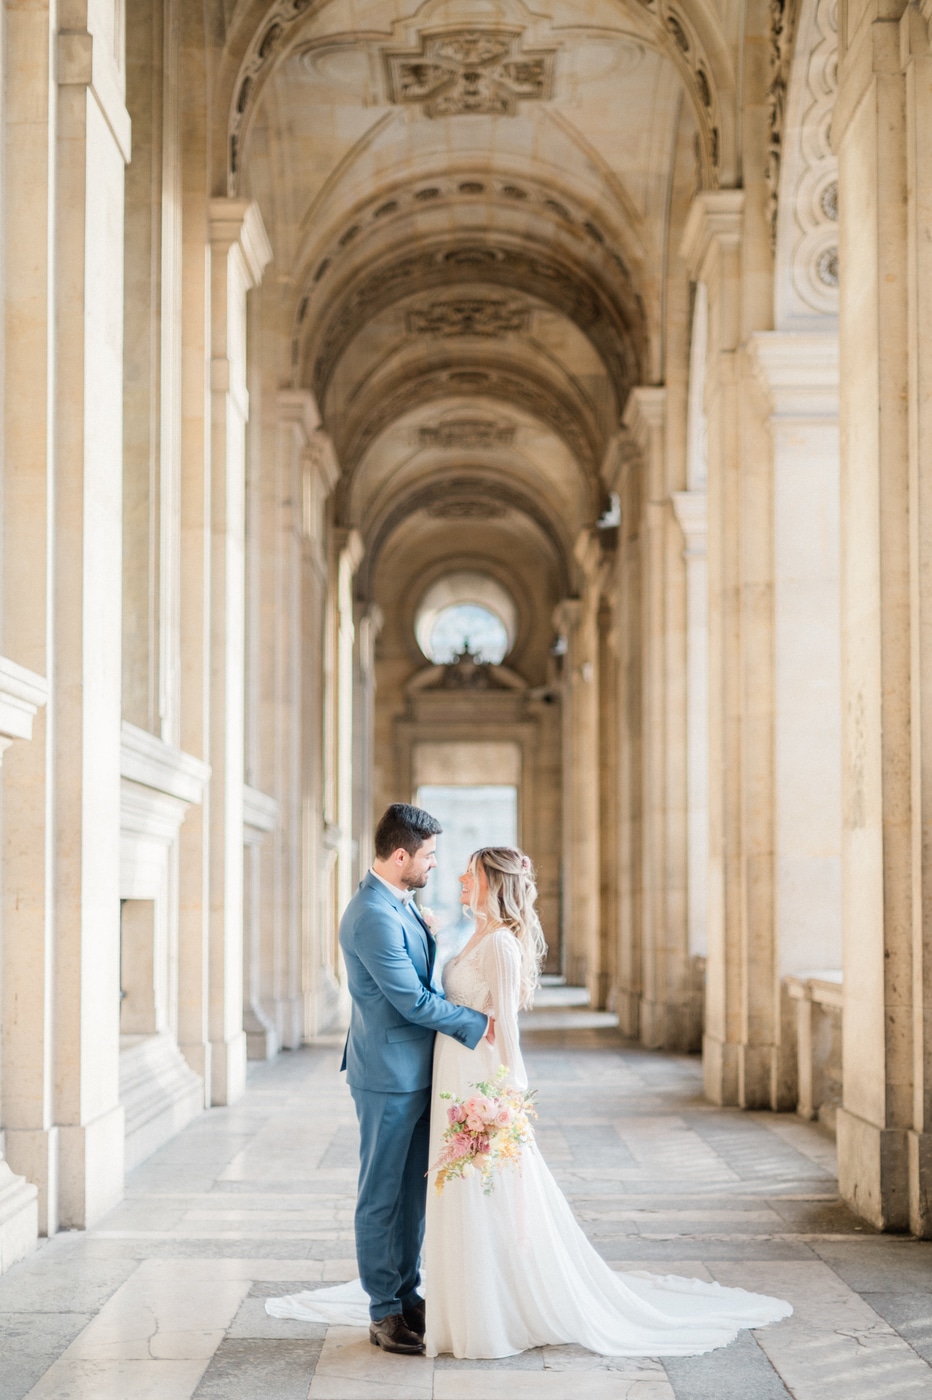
[33, 1153]
[873, 1170]
[672, 1025]
[159, 1093]
[228, 1069]
[92, 1173]
[720, 1070]
[262, 1041]
[755, 1076]
[198, 1056]
[19, 1217]
[920, 1184]
[289, 1016]
[628, 1006]
[326, 1005]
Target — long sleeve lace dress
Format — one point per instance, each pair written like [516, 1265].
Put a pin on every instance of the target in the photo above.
[513, 1270]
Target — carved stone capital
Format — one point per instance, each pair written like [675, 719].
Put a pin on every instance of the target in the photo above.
[713, 225]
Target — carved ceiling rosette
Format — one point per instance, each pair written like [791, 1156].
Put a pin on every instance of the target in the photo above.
[469, 316]
[475, 71]
[467, 433]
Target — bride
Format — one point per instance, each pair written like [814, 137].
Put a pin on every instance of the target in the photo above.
[513, 1270]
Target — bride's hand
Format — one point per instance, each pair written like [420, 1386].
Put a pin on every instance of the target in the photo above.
[490, 1031]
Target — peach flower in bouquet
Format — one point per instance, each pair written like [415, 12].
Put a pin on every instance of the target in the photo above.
[485, 1132]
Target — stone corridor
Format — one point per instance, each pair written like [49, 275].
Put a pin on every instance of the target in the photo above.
[164, 1299]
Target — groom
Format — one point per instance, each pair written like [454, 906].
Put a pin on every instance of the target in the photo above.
[390, 953]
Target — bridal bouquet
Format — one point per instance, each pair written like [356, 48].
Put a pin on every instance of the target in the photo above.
[485, 1132]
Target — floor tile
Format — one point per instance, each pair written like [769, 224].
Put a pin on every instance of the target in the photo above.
[548, 1385]
[350, 1368]
[120, 1380]
[259, 1370]
[165, 1299]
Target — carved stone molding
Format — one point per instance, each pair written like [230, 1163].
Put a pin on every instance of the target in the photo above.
[567, 417]
[782, 23]
[807, 216]
[466, 510]
[469, 71]
[463, 433]
[469, 316]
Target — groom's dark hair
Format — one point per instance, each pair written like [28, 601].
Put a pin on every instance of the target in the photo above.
[405, 828]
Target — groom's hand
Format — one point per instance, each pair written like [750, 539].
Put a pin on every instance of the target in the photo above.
[490, 1031]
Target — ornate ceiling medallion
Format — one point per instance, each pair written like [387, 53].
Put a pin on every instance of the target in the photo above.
[468, 432]
[470, 71]
[466, 510]
[469, 316]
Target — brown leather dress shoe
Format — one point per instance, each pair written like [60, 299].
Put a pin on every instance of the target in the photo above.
[393, 1334]
[415, 1316]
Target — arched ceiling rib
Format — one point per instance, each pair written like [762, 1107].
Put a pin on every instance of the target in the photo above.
[608, 314]
[468, 497]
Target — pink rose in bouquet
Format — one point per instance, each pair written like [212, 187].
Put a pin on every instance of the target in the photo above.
[485, 1132]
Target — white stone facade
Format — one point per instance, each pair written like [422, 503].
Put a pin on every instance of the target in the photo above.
[312, 313]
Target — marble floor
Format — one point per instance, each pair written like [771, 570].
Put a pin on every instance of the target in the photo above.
[165, 1298]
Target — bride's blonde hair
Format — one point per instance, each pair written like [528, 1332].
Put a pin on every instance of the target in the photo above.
[510, 903]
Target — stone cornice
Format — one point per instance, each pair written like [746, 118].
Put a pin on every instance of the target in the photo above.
[714, 222]
[239, 222]
[147, 760]
[351, 547]
[873, 49]
[644, 412]
[798, 371]
[22, 694]
[260, 815]
[323, 454]
[298, 407]
[691, 509]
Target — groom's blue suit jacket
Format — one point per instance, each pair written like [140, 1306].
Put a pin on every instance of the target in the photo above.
[389, 956]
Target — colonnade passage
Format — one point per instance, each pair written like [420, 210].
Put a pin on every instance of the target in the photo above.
[522, 409]
[165, 1297]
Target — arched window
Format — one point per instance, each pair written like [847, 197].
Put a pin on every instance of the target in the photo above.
[466, 612]
[467, 627]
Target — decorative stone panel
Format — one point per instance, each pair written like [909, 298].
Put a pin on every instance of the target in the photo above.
[470, 71]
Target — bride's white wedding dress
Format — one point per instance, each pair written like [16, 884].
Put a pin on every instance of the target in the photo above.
[513, 1270]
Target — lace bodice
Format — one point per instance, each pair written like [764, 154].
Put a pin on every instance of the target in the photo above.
[488, 978]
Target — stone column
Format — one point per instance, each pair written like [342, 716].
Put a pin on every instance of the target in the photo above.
[799, 372]
[712, 250]
[293, 668]
[368, 627]
[665, 942]
[622, 472]
[692, 515]
[239, 252]
[576, 619]
[916, 48]
[349, 557]
[881, 128]
[194, 549]
[27, 1207]
[321, 988]
[92, 148]
[26, 791]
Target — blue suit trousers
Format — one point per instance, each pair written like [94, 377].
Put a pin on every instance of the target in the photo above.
[394, 1132]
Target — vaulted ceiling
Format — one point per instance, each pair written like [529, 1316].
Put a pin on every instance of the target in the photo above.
[469, 203]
